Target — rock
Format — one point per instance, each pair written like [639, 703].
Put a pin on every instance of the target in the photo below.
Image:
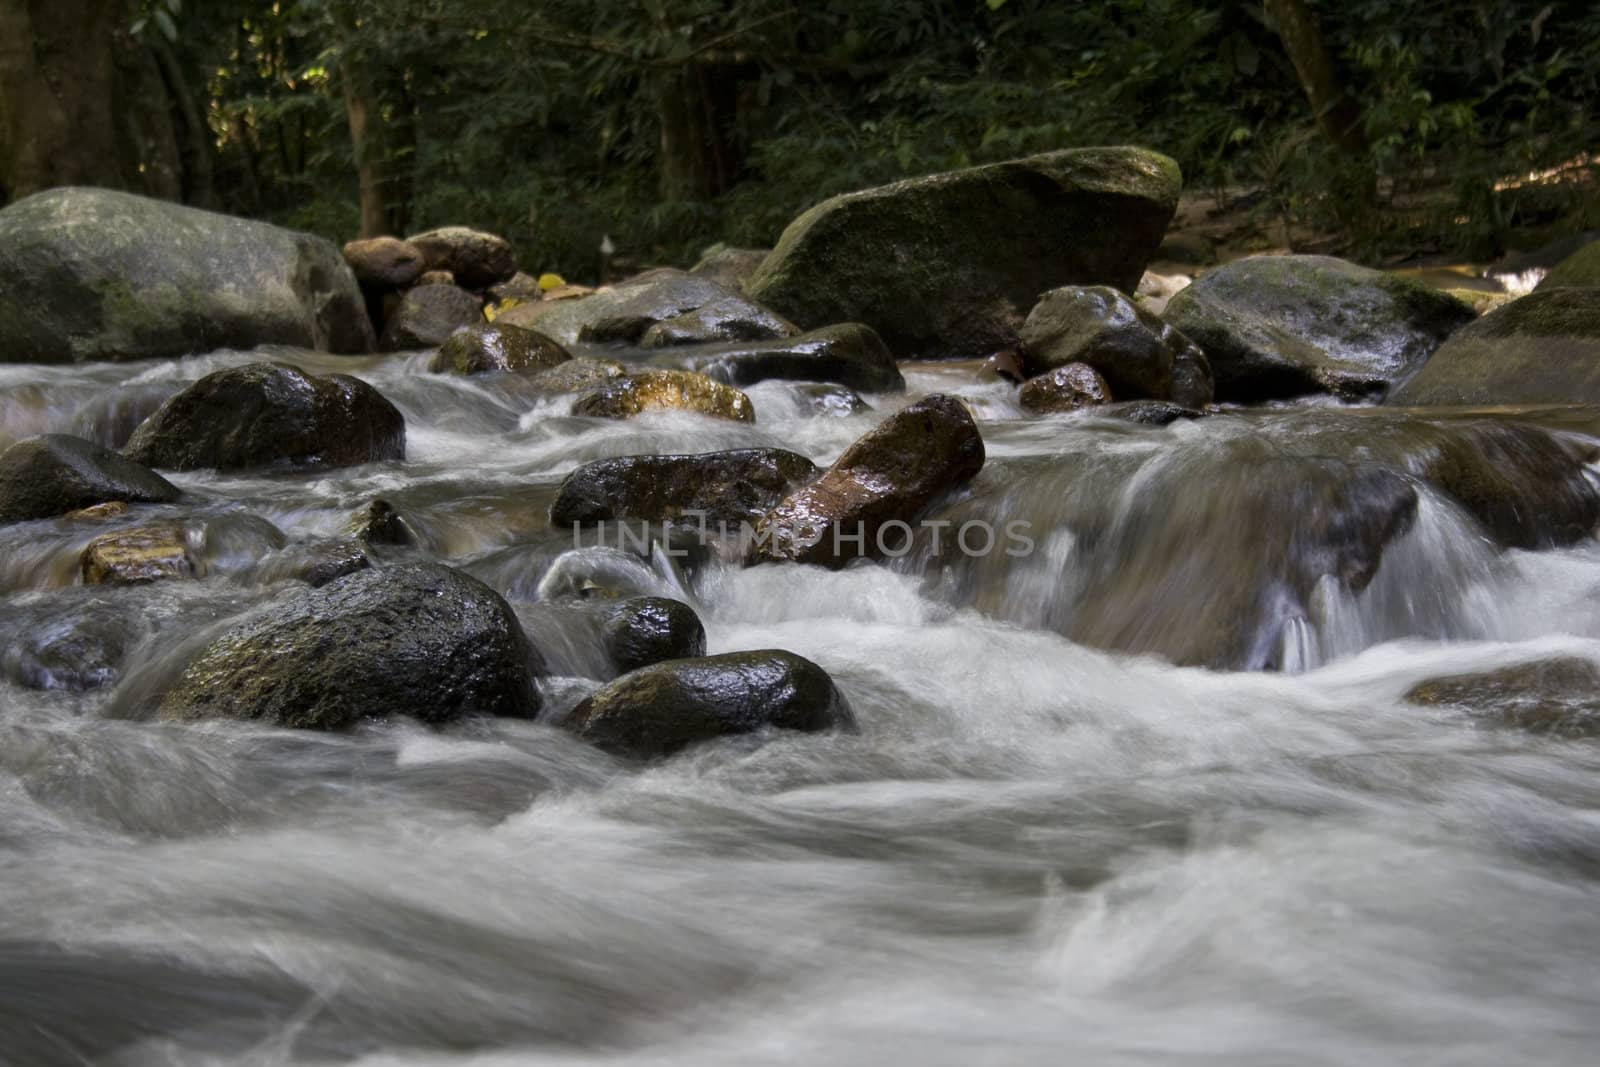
[55, 474]
[577, 375]
[891, 474]
[1155, 290]
[380, 524]
[1006, 364]
[1529, 487]
[1482, 301]
[1193, 385]
[1541, 349]
[1067, 388]
[493, 347]
[437, 277]
[322, 562]
[92, 274]
[1152, 412]
[651, 629]
[520, 287]
[477, 259]
[417, 639]
[270, 414]
[664, 390]
[1554, 696]
[624, 313]
[1580, 270]
[427, 315]
[73, 639]
[111, 509]
[735, 486]
[729, 266]
[138, 554]
[820, 398]
[848, 354]
[728, 319]
[384, 262]
[1284, 326]
[947, 266]
[1096, 325]
[662, 709]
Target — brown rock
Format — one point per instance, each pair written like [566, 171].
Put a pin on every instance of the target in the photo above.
[477, 259]
[138, 554]
[384, 262]
[1068, 388]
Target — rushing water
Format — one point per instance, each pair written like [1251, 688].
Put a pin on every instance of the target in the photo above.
[1037, 850]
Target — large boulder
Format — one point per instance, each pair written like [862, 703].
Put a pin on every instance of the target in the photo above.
[417, 639]
[270, 414]
[664, 390]
[491, 347]
[892, 474]
[93, 274]
[734, 486]
[1541, 349]
[476, 259]
[55, 474]
[1284, 326]
[662, 709]
[948, 265]
[1581, 270]
[1137, 353]
[848, 354]
[1554, 696]
[427, 315]
[644, 630]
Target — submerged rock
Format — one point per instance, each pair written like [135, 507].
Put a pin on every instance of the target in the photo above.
[577, 375]
[489, 347]
[384, 262]
[728, 319]
[477, 259]
[733, 486]
[848, 354]
[427, 315]
[662, 709]
[1528, 486]
[1096, 325]
[92, 274]
[1284, 326]
[72, 639]
[270, 414]
[948, 265]
[54, 474]
[1541, 349]
[664, 390]
[1554, 696]
[651, 629]
[890, 475]
[418, 639]
[1067, 388]
[138, 554]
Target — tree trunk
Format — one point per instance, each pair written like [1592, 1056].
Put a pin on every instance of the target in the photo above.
[699, 156]
[1336, 113]
[381, 153]
[57, 95]
[194, 135]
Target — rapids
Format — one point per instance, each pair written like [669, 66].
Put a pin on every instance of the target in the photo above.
[1047, 844]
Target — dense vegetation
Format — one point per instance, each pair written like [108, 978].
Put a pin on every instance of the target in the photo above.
[668, 124]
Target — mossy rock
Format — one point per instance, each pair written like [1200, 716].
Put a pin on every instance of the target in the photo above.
[427, 315]
[664, 390]
[1529, 487]
[1581, 270]
[491, 347]
[56, 474]
[948, 265]
[1132, 348]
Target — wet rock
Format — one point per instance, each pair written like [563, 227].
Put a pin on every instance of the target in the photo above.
[1284, 326]
[477, 259]
[270, 414]
[1153, 412]
[721, 320]
[733, 486]
[729, 266]
[490, 347]
[55, 474]
[113, 509]
[1193, 385]
[848, 354]
[1067, 388]
[1580, 270]
[92, 274]
[322, 562]
[577, 375]
[417, 639]
[947, 266]
[520, 287]
[662, 709]
[891, 474]
[1541, 349]
[380, 524]
[384, 262]
[70, 640]
[1006, 364]
[664, 390]
[138, 554]
[624, 314]
[645, 630]
[1554, 696]
[1098, 326]
[1529, 487]
[820, 398]
[427, 315]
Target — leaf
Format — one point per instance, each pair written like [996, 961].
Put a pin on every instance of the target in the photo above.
[138, 26]
[168, 28]
[996, 5]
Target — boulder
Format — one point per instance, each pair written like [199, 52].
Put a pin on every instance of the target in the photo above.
[848, 354]
[55, 474]
[1530, 487]
[1285, 326]
[92, 274]
[1067, 388]
[1580, 270]
[729, 266]
[664, 390]
[728, 319]
[138, 554]
[427, 315]
[891, 474]
[270, 414]
[1554, 696]
[644, 630]
[492, 347]
[417, 639]
[1541, 349]
[625, 312]
[576, 376]
[384, 262]
[1135, 351]
[734, 486]
[477, 259]
[662, 709]
[948, 265]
